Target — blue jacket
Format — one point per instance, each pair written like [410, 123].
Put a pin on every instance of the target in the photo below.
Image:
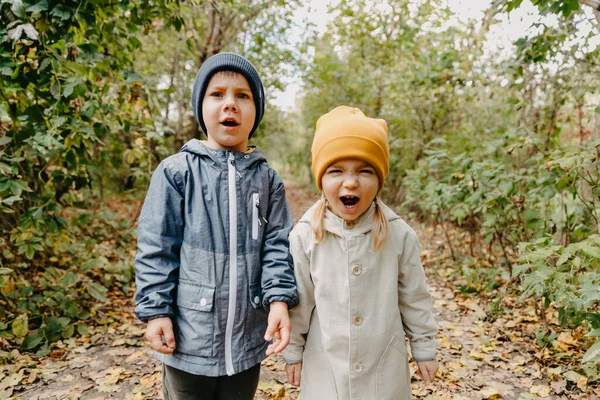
[213, 253]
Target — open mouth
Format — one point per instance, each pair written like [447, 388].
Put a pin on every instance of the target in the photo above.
[229, 122]
[349, 201]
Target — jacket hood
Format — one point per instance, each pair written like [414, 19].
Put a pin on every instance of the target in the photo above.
[243, 159]
[339, 227]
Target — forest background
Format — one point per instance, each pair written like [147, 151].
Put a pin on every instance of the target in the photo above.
[497, 150]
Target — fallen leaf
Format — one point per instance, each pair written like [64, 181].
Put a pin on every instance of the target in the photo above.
[540, 390]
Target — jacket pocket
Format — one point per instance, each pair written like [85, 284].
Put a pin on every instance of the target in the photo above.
[317, 380]
[194, 324]
[256, 320]
[393, 377]
[255, 212]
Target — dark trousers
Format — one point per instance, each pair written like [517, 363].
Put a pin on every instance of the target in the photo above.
[180, 385]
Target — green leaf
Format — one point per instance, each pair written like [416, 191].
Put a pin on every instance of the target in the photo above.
[591, 251]
[133, 43]
[93, 263]
[40, 6]
[69, 279]
[44, 350]
[83, 330]
[62, 12]
[4, 140]
[594, 333]
[593, 353]
[20, 326]
[512, 4]
[563, 258]
[32, 341]
[597, 110]
[6, 271]
[97, 291]
[52, 328]
[68, 331]
[11, 200]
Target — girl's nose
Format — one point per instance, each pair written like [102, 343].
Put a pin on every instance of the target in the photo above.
[350, 181]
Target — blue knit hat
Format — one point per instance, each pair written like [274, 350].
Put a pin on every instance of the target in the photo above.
[228, 62]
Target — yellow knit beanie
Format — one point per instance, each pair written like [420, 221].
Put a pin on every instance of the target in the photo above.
[346, 132]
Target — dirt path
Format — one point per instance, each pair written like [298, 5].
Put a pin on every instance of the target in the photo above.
[478, 360]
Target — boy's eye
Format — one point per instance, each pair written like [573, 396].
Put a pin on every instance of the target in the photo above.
[367, 171]
[334, 171]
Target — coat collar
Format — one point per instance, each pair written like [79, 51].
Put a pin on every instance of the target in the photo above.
[339, 227]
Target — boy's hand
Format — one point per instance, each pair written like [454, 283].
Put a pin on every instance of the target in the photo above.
[427, 370]
[293, 373]
[157, 329]
[279, 327]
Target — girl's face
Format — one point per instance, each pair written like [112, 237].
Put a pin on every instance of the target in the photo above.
[350, 186]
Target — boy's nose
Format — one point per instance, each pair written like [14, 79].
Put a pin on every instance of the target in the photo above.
[230, 104]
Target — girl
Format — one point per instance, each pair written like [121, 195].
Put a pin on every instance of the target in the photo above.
[360, 280]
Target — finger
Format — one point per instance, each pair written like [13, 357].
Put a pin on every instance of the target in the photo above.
[269, 350]
[285, 336]
[155, 342]
[169, 339]
[426, 375]
[290, 375]
[297, 373]
[271, 329]
[420, 373]
[279, 344]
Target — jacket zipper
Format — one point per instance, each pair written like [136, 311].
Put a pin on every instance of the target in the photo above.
[231, 172]
[255, 211]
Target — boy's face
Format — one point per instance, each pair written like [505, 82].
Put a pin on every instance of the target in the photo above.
[228, 110]
[350, 186]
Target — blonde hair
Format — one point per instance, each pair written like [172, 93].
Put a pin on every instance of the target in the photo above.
[380, 223]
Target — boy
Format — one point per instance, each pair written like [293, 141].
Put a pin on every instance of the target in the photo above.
[214, 276]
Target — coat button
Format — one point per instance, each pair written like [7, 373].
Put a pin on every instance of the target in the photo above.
[349, 224]
[356, 270]
[357, 367]
[203, 302]
[357, 320]
[257, 300]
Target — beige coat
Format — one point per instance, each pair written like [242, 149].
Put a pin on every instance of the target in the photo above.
[356, 306]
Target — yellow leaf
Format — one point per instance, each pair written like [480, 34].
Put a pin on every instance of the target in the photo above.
[490, 393]
[540, 390]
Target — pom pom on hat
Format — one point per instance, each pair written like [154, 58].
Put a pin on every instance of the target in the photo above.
[345, 132]
[227, 62]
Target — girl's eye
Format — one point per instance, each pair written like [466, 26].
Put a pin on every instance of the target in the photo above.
[216, 94]
[243, 96]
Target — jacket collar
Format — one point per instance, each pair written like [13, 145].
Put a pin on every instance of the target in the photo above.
[243, 160]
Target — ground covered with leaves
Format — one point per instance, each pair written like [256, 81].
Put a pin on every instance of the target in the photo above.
[503, 349]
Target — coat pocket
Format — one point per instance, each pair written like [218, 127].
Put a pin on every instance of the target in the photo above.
[256, 320]
[393, 376]
[317, 380]
[194, 324]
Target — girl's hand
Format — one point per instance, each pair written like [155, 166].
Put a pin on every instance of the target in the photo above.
[158, 329]
[293, 373]
[279, 327]
[427, 370]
